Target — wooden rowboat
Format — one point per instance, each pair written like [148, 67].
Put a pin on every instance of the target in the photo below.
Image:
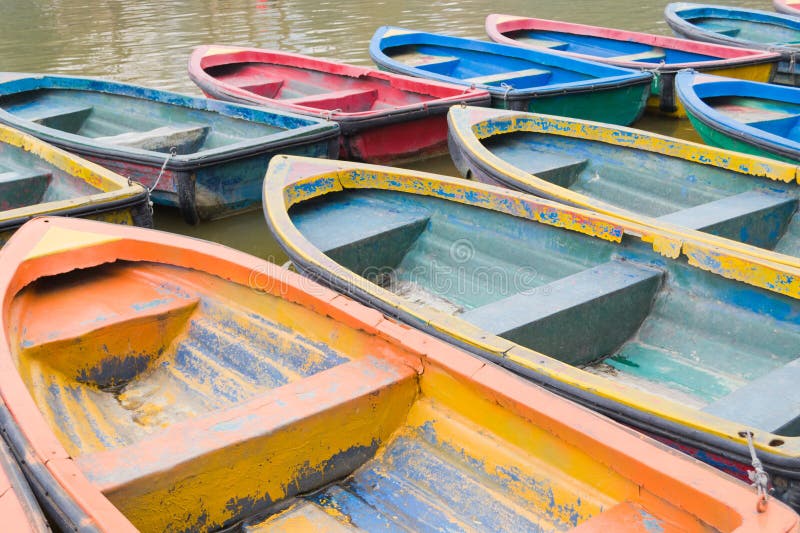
[196, 388]
[746, 28]
[383, 117]
[790, 7]
[38, 179]
[206, 157]
[632, 174]
[663, 56]
[529, 80]
[756, 118]
[699, 351]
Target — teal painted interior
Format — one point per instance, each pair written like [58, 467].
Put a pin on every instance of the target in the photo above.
[104, 115]
[26, 179]
[745, 208]
[676, 330]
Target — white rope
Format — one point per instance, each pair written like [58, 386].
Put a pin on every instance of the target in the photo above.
[172, 153]
[508, 88]
[758, 476]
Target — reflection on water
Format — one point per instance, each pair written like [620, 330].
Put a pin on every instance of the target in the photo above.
[148, 42]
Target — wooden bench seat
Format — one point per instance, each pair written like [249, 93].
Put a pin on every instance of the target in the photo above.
[428, 62]
[519, 78]
[578, 318]
[22, 188]
[268, 88]
[186, 139]
[349, 101]
[655, 54]
[542, 43]
[67, 118]
[730, 31]
[770, 403]
[754, 217]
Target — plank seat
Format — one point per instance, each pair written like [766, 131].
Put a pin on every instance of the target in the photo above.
[268, 88]
[730, 31]
[519, 78]
[770, 403]
[360, 243]
[22, 188]
[754, 217]
[749, 115]
[431, 63]
[69, 118]
[185, 139]
[542, 43]
[655, 53]
[349, 101]
[784, 127]
[556, 167]
[578, 318]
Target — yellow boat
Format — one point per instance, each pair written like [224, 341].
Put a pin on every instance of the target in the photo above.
[38, 179]
[162, 383]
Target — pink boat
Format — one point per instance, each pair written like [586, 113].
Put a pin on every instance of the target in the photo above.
[384, 117]
[790, 7]
[662, 55]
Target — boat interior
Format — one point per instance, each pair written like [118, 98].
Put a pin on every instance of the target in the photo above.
[759, 31]
[607, 308]
[26, 179]
[193, 402]
[605, 47]
[746, 208]
[312, 88]
[131, 122]
[485, 68]
[772, 116]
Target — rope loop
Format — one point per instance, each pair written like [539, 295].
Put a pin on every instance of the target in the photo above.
[173, 151]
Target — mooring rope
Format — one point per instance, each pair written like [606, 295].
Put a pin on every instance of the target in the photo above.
[173, 151]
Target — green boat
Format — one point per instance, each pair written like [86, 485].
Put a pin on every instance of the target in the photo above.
[682, 348]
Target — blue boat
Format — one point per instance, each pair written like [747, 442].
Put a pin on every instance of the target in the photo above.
[755, 118]
[519, 79]
[745, 28]
[204, 156]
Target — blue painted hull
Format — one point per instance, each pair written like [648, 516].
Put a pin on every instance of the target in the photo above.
[756, 118]
[527, 80]
[221, 150]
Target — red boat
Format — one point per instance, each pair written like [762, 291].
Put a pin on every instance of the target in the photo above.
[663, 56]
[790, 7]
[384, 117]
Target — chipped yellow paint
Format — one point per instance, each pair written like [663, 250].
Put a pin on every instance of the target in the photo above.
[57, 240]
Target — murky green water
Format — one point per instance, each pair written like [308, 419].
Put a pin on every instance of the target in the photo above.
[148, 42]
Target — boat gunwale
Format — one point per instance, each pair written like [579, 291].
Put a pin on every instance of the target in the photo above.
[462, 124]
[783, 6]
[114, 191]
[685, 86]
[684, 27]
[621, 78]
[737, 57]
[661, 416]
[348, 121]
[314, 130]
[651, 465]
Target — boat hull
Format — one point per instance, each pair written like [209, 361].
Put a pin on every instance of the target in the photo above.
[516, 78]
[749, 117]
[220, 150]
[431, 272]
[39, 179]
[745, 28]
[383, 118]
[611, 46]
[217, 390]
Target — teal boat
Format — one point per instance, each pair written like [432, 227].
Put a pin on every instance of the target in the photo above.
[636, 175]
[680, 348]
[755, 118]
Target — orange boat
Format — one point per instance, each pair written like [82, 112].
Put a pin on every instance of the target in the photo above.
[164, 383]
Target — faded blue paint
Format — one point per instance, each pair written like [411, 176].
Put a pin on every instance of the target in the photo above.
[143, 306]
